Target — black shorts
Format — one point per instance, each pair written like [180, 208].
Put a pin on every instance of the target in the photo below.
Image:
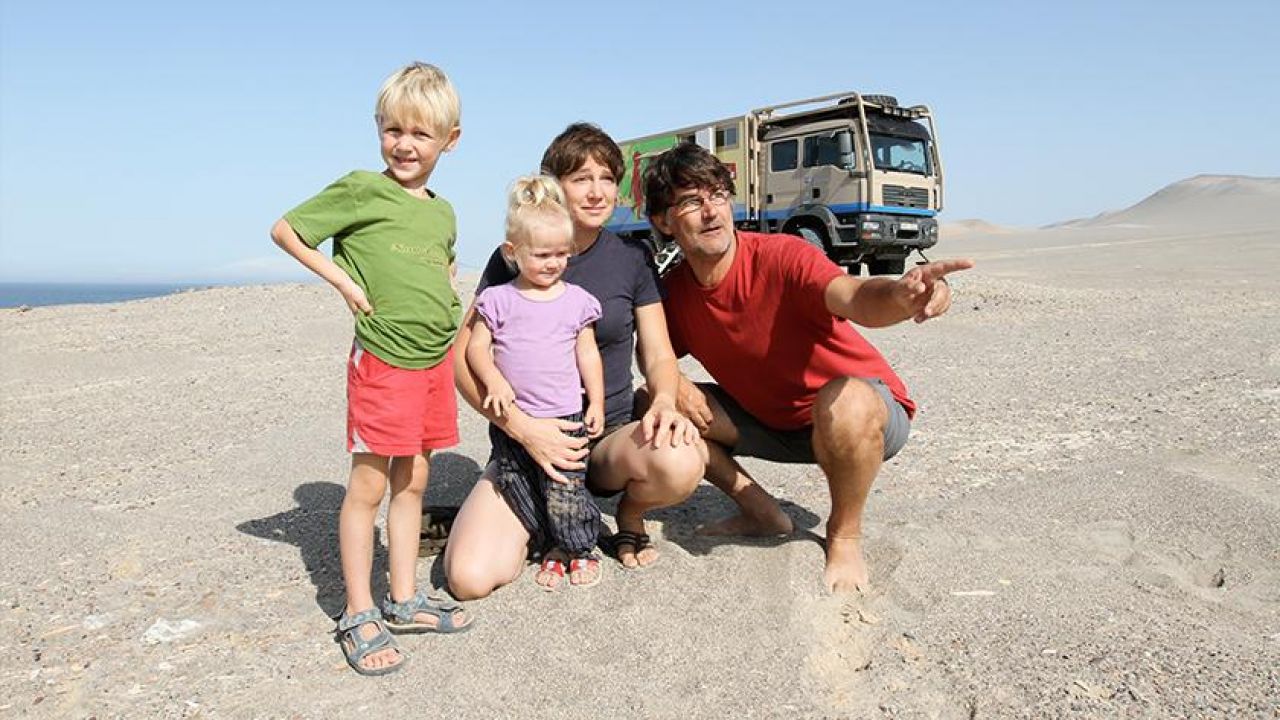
[796, 446]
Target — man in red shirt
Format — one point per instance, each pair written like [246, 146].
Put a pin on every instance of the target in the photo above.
[766, 316]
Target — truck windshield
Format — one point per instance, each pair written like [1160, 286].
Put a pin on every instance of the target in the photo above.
[901, 154]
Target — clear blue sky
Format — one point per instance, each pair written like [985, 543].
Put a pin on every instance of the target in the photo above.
[159, 141]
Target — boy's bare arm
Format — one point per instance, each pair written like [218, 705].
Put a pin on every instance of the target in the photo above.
[317, 262]
[590, 366]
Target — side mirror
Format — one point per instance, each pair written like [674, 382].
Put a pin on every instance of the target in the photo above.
[844, 142]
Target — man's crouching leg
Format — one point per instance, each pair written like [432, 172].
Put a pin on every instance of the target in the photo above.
[849, 418]
[759, 514]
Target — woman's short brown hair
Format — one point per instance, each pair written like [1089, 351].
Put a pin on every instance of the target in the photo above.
[571, 148]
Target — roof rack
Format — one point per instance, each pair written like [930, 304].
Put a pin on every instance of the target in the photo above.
[850, 97]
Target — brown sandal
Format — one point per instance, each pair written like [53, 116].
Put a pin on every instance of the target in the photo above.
[639, 541]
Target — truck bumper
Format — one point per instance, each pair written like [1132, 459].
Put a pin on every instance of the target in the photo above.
[882, 236]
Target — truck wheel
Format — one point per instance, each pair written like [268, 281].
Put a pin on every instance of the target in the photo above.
[886, 267]
[812, 237]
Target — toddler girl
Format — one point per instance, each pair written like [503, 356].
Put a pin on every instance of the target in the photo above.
[535, 347]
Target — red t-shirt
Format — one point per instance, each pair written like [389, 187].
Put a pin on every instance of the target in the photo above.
[765, 333]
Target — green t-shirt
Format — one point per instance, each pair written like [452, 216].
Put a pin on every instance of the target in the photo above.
[398, 248]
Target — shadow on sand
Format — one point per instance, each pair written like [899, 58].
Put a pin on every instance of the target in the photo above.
[708, 505]
[312, 527]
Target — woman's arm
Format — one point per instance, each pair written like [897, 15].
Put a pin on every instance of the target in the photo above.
[544, 438]
[661, 422]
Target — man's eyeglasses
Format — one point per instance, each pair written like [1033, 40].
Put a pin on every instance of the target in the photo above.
[694, 203]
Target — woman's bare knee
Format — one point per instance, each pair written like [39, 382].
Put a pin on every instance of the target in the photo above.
[486, 546]
[681, 468]
[466, 584]
[667, 476]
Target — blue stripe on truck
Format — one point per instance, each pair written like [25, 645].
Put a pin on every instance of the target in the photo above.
[740, 214]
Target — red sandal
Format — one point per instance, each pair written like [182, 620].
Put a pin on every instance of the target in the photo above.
[552, 565]
[583, 564]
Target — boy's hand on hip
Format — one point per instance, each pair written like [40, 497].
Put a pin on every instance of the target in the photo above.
[357, 303]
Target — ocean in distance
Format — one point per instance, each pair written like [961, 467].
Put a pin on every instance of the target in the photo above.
[36, 294]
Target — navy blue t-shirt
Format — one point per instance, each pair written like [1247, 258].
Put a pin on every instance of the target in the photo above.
[621, 275]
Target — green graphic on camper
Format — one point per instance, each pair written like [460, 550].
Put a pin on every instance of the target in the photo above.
[635, 156]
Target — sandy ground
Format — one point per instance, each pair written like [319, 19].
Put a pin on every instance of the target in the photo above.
[1086, 522]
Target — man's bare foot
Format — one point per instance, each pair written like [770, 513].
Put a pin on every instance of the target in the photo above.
[846, 571]
[759, 515]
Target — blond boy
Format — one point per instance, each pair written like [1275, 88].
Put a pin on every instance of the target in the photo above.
[393, 254]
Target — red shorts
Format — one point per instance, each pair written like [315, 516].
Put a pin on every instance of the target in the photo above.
[395, 412]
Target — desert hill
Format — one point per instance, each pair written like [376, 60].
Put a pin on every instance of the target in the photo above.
[975, 226]
[1202, 202]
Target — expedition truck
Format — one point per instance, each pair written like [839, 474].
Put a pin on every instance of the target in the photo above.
[856, 175]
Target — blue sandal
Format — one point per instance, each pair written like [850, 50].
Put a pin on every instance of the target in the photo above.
[401, 615]
[356, 648]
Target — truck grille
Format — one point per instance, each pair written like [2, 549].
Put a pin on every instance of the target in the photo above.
[899, 196]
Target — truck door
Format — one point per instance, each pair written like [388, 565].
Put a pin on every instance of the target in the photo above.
[784, 181]
[828, 180]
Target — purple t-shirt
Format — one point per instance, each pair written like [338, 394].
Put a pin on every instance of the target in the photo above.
[620, 274]
[534, 345]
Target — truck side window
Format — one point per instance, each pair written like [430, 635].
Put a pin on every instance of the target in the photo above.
[783, 155]
[821, 150]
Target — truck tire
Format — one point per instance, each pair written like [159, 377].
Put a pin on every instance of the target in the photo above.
[811, 236]
[886, 267]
